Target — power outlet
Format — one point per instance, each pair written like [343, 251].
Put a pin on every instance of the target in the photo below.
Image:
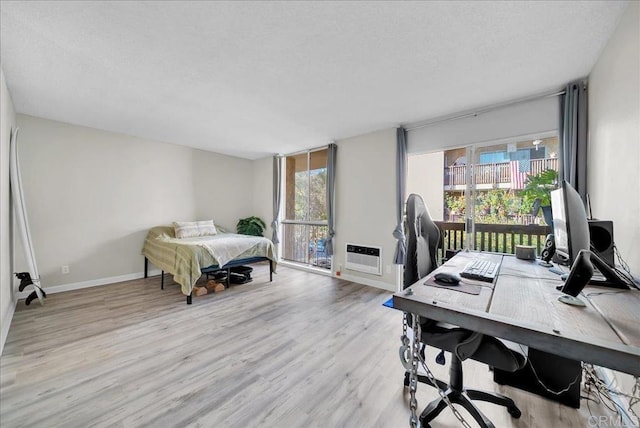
[65, 269]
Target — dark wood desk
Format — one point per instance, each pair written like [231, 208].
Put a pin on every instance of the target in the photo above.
[523, 307]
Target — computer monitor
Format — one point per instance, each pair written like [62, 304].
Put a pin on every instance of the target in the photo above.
[572, 240]
[570, 224]
[579, 277]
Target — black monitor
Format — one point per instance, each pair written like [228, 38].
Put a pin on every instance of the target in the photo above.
[570, 224]
[572, 241]
[579, 277]
[571, 234]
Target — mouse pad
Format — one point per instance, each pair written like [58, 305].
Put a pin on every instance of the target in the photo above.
[462, 287]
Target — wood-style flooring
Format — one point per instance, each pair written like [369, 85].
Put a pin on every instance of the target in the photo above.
[305, 350]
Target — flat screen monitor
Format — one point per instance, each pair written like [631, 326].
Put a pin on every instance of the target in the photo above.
[579, 277]
[572, 240]
[571, 235]
[570, 224]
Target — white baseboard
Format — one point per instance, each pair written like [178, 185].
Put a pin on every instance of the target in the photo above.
[87, 284]
[305, 268]
[367, 281]
[6, 324]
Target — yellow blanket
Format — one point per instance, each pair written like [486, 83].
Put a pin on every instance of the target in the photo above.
[184, 258]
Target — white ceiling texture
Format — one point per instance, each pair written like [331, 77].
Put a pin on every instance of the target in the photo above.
[251, 79]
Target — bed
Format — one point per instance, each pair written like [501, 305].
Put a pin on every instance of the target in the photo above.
[188, 258]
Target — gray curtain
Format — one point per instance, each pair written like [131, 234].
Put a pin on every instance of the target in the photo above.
[332, 150]
[573, 136]
[277, 196]
[401, 177]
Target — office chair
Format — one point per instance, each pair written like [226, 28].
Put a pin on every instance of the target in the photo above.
[423, 237]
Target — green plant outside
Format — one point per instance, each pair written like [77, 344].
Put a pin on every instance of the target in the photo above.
[498, 206]
[503, 206]
[456, 204]
[310, 195]
[251, 226]
[539, 187]
[494, 206]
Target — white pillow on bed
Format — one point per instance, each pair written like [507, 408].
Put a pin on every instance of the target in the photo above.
[190, 229]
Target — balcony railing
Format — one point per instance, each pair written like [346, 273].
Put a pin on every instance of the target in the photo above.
[494, 173]
[304, 242]
[522, 219]
[499, 238]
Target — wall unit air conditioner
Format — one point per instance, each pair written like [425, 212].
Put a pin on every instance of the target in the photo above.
[364, 259]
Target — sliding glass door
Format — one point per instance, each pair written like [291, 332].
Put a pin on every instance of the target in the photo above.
[482, 203]
[305, 220]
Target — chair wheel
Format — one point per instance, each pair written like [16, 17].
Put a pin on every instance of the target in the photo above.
[514, 412]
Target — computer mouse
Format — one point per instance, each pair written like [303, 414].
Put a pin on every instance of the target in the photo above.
[447, 278]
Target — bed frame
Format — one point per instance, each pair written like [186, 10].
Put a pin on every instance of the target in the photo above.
[215, 268]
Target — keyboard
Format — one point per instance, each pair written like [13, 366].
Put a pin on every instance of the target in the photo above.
[481, 270]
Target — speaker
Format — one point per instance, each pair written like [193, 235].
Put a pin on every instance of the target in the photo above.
[525, 252]
[549, 249]
[601, 232]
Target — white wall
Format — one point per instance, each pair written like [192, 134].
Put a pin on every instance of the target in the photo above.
[222, 186]
[614, 136]
[504, 124]
[613, 177]
[425, 176]
[7, 121]
[365, 202]
[92, 195]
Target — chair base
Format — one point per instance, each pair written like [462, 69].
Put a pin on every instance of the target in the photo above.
[424, 379]
[456, 394]
[463, 398]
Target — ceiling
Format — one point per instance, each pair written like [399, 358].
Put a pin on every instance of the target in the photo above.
[251, 79]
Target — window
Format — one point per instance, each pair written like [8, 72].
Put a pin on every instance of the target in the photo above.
[305, 217]
[494, 157]
[306, 190]
[475, 193]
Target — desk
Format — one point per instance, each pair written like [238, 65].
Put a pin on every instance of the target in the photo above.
[523, 307]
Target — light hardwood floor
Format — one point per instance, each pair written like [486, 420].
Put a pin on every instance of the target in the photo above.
[303, 351]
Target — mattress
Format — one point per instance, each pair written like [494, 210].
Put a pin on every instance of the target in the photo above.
[185, 258]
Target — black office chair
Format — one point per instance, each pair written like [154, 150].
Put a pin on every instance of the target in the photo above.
[423, 238]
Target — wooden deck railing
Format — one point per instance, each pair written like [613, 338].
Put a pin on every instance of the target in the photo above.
[454, 175]
[539, 165]
[494, 173]
[499, 238]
